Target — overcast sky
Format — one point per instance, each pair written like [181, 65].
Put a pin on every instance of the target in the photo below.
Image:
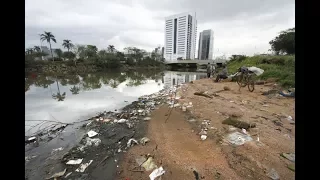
[244, 26]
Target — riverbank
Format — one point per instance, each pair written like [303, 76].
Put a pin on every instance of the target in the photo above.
[176, 144]
[104, 149]
[70, 67]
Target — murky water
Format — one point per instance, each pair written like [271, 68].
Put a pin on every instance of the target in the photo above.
[76, 97]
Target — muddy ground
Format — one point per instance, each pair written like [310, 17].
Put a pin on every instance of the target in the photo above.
[176, 145]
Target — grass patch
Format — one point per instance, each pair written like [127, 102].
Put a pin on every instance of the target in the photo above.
[280, 67]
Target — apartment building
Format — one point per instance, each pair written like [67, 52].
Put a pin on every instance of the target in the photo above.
[205, 50]
[180, 36]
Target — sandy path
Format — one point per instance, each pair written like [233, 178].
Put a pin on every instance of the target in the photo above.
[178, 148]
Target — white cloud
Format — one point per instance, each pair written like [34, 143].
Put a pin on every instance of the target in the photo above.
[239, 26]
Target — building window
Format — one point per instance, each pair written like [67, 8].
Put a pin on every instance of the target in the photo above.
[175, 36]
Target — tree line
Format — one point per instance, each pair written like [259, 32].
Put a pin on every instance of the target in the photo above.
[109, 57]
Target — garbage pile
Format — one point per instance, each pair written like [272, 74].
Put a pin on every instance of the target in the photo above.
[111, 133]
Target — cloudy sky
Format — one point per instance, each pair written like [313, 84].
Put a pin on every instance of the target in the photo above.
[239, 26]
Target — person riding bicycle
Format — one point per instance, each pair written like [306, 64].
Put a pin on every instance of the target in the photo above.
[223, 74]
[243, 69]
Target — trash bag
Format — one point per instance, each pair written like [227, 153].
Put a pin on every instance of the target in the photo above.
[256, 70]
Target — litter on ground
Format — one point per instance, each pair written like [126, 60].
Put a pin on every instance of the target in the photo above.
[74, 162]
[131, 142]
[92, 133]
[149, 164]
[84, 166]
[144, 140]
[58, 174]
[237, 138]
[156, 173]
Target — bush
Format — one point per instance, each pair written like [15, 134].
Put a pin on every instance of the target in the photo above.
[280, 67]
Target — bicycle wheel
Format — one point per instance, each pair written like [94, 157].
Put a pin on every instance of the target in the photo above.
[241, 80]
[250, 84]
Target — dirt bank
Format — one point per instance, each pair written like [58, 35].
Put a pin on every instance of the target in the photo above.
[176, 145]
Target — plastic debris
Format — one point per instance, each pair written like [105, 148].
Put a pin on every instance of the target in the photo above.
[292, 167]
[130, 125]
[121, 121]
[144, 140]
[244, 131]
[89, 123]
[289, 156]
[32, 138]
[106, 120]
[203, 137]
[203, 132]
[147, 118]
[28, 158]
[84, 166]
[273, 174]
[237, 138]
[149, 164]
[156, 173]
[184, 108]
[140, 160]
[68, 174]
[90, 142]
[256, 70]
[131, 142]
[58, 174]
[92, 133]
[74, 162]
[55, 150]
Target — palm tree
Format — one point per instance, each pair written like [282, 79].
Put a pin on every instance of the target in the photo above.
[67, 44]
[36, 48]
[48, 36]
[111, 48]
[59, 96]
[75, 90]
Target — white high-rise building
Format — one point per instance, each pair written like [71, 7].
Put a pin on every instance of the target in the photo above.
[205, 50]
[180, 36]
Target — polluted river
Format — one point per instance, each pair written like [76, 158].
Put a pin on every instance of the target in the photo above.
[77, 126]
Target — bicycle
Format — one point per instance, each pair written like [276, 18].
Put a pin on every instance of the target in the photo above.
[246, 79]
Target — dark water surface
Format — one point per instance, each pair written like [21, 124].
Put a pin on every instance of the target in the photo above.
[75, 97]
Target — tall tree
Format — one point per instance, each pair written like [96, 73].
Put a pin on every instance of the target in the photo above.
[91, 50]
[48, 36]
[58, 52]
[284, 43]
[67, 44]
[37, 49]
[111, 49]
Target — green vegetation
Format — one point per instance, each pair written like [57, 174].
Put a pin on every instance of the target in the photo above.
[284, 43]
[91, 55]
[280, 66]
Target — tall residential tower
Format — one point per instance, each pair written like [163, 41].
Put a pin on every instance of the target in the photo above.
[180, 36]
[205, 51]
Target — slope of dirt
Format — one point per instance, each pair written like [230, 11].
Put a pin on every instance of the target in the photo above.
[176, 145]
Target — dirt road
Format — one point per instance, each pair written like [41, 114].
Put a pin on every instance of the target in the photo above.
[176, 145]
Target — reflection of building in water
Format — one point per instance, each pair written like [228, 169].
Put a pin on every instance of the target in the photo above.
[172, 78]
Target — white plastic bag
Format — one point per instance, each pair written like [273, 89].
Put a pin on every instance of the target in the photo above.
[256, 70]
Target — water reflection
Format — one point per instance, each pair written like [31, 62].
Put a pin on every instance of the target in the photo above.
[172, 78]
[76, 96]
